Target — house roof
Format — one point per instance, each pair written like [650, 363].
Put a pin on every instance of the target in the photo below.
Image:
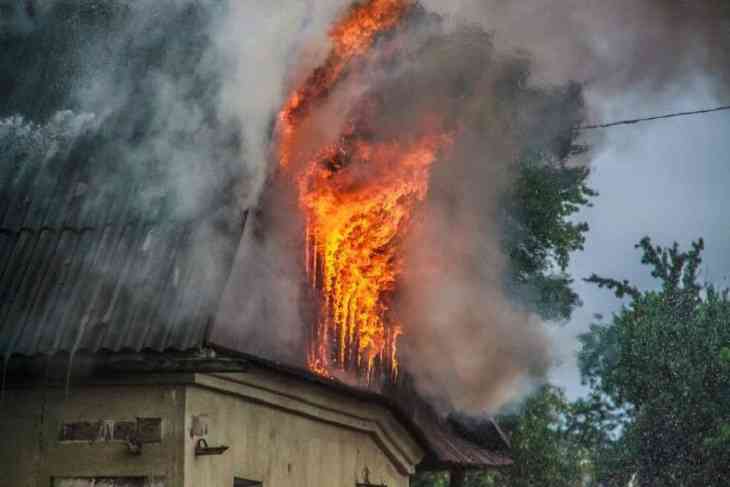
[95, 258]
[118, 212]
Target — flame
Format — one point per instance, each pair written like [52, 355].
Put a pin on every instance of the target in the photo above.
[351, 37]
[358, 196]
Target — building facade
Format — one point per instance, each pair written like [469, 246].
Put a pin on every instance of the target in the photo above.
[190, 429]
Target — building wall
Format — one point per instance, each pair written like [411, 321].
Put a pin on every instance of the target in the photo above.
[33, 450]
[295, 443]
[281, 432]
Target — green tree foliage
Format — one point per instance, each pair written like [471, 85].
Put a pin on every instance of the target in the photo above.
[547, 448]
[541, 234]
[661, 362]
[430, 479]
[544, 446]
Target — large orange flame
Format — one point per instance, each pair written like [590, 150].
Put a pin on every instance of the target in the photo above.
[358, 196]
[353, 36]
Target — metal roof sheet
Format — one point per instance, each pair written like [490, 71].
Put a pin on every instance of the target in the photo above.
[130, 286]
[93, 257]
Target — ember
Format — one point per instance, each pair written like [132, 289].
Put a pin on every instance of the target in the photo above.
[358, 196]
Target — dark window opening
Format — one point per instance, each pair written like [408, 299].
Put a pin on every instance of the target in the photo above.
[246, 483]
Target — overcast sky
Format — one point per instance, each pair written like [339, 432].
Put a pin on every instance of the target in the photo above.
[668, 179]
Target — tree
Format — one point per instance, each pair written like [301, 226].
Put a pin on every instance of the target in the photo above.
[544, 447]
[550, 187]
[540, 234]
[660, 363]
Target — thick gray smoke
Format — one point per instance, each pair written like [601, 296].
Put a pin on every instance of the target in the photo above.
[149, 76]
[182, 92]
[614, 48]
[468, 343]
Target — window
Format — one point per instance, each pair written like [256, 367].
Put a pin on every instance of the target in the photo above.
[246, 483]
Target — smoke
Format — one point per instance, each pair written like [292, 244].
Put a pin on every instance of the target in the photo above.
[148, 75]
[263, 44]
[467, 343]
[162, 108]
[613, 49]
[183, 92]
[168, 105]
[636, 51]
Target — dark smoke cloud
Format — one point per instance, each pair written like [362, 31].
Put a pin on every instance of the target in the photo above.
[611, 47]
[467, 341]
[150, 76]
[182, 92]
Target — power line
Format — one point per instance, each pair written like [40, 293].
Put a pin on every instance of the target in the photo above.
[656, 117]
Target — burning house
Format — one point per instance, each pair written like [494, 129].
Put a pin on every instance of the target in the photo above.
[112, 373]
[158, 329]
[119, 366]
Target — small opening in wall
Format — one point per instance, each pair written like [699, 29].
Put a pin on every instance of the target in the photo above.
[246, 483]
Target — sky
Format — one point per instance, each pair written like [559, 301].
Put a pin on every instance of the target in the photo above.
[667, 179]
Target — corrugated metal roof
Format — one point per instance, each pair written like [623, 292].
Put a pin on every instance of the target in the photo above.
[129, 286]
[448, 448]
[94, 259]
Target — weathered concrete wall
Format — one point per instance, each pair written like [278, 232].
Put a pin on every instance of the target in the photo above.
[290, 435]
[33, 450]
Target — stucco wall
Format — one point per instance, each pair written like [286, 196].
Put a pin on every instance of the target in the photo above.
[287, 445]
[32, 453]
[283, 432]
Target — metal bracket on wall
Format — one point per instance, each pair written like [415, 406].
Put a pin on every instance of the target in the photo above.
[134, 446]
[202, 448]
